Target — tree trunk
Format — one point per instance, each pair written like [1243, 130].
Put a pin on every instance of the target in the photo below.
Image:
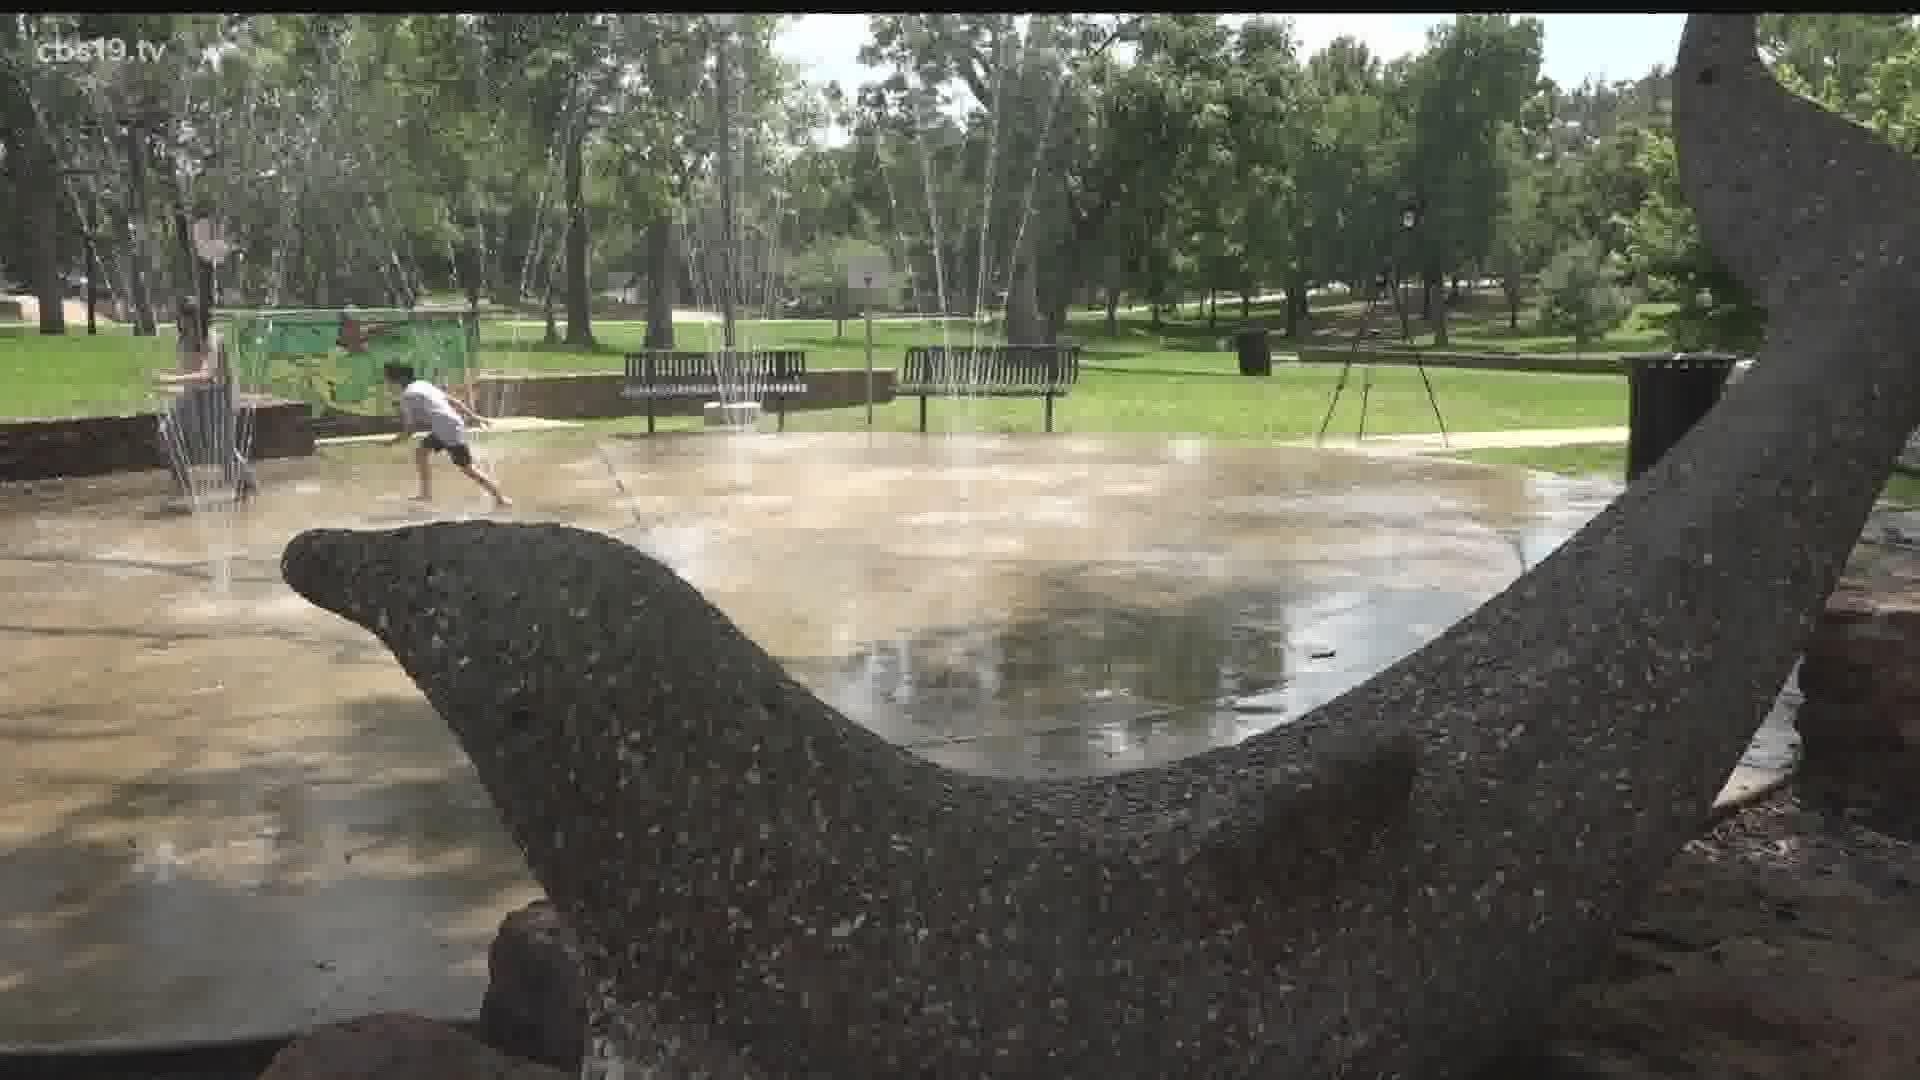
[1113, 311]
[93, 261]
[1400, 305]
[516, 252]
[579, 295]
[662, 274]
[840, 304]
[1437, 308]
[1024, 323]
[1298, 309]
[469, 261]
[187, 274]
[1057, 313]
[1213, 309]
[1512, 288]
[552, 336]
[139, 269]
[36, 185]
[1246, 305]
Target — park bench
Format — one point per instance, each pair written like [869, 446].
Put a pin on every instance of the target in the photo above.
[735, 375]
[1042, 371]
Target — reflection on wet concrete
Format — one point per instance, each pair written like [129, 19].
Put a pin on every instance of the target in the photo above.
[230, 813]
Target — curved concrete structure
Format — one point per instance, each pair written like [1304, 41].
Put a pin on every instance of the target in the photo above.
[1394, 886]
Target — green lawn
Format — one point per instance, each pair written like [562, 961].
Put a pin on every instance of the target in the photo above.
[1179, 378]
[1903, 488]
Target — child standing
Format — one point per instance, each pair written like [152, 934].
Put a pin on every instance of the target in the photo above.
[203, 426]
[424, 405]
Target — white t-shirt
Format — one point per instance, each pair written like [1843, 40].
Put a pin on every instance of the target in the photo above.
[423, 404]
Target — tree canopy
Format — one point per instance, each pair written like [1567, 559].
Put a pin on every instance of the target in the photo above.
[1010, 166]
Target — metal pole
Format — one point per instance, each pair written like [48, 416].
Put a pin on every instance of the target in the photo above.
[869, 307]
[724, 91]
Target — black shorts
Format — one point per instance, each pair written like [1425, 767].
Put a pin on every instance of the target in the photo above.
[459, 453]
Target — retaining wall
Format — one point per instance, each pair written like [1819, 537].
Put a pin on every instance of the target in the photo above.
[40, 449]
[1860, 723]
[596, 396]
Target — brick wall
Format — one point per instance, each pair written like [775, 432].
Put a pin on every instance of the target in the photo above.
[93, 445]
[1860, 723]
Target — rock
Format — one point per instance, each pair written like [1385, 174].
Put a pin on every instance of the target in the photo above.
[398, 1046]
[1784, 946]
[1860, 722]
[536, 1002]
[1401, 883]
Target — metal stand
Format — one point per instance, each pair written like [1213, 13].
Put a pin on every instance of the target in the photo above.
[1366, 383]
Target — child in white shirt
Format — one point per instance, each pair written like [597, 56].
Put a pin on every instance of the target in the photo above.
[424, 405]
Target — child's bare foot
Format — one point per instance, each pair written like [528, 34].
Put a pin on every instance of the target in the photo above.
[502, 503]
[420, 498]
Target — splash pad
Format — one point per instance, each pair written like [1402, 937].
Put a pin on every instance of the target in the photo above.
[234, 816]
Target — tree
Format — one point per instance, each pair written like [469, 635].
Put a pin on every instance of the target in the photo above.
[1520, 237]
[1581, 295]
[1714, 310]
[27, 139]
[1475, 76]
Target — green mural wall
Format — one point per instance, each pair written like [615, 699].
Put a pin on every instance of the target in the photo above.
[333, 359]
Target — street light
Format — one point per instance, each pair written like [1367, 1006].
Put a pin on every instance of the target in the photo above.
[723, 92]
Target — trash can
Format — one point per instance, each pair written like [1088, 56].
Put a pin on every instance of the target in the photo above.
[1668, 393]
[1256, 354]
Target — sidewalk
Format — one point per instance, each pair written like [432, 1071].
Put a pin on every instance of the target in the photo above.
[1431, 443]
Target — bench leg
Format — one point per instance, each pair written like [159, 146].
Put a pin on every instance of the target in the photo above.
[1049, 400]
[923, 414]
[780, 412]
[649, 415]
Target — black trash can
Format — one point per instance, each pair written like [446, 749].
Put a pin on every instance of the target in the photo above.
[1256, 353]
[1668, 393]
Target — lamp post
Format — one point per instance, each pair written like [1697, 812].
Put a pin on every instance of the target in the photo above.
[723, 93]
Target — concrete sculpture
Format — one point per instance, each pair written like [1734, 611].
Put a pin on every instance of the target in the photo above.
[1394, 886]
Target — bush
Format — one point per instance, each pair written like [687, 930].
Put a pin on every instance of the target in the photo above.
[1581, 295]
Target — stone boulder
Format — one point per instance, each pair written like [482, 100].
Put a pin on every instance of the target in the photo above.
[398, 1046]
[536, 1002]
[1860, 724]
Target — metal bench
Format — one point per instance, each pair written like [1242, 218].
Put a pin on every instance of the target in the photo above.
[1042, 371]
[752, 374]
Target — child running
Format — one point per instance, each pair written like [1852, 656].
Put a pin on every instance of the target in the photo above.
[445, 417]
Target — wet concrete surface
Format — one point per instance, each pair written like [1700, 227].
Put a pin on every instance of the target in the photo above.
[230, 814]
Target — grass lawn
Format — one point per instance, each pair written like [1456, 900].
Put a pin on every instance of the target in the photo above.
[1903, 488]
[1178, 377]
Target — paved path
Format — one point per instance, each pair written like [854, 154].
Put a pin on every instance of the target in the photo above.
[1432, 443]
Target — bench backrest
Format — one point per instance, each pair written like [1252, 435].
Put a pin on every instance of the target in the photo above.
[1036, 367]
[744, 367]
